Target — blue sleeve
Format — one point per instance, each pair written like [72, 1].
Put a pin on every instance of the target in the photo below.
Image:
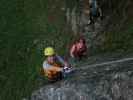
[46, 65]
[60, 59]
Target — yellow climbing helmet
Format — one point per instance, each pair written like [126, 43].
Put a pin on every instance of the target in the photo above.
[49, 51]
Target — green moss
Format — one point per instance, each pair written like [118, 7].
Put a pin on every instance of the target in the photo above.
[25, 31]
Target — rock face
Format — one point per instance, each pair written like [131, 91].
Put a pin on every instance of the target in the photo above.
[108, 82]
[115, 15]
[83, 23]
